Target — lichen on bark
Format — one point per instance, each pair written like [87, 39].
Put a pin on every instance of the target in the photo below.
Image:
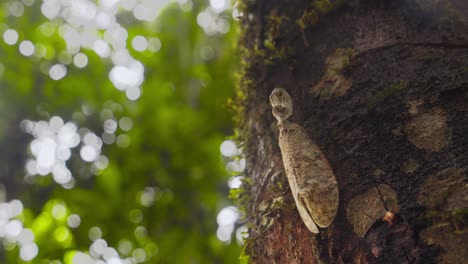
[427, 129]
[333, 82]
[365, 209]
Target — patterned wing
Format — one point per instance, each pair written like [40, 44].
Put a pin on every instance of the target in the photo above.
[316, 189]
[305, 214]
[292, 179]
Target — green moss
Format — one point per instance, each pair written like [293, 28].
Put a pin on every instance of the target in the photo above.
[275, 25]
[346, 58]
[259, 52]
[279, 55]
[333, 82]
[278, 202]
[308, 19]
[242, 5]
[244, 79]
[279, 185]
[382, 95]
[323, 6]
[312, 15]
[269, 44]
[318, 8]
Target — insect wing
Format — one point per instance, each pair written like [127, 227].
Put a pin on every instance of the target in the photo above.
[315, 183]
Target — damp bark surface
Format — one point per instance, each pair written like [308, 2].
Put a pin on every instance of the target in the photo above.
[382, 88]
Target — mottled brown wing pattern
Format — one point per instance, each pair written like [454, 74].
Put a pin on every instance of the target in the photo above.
[292, 179]
[310, 175]
[305, 214]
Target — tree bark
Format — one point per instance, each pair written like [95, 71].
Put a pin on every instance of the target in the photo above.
[382, 88]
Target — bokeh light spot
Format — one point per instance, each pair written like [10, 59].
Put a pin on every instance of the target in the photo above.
[29, 251]
[16, 207]
[88, 153]
[97, 248]
[102, 162]
[57, 71]
[227, 216]
[224, 233]
[56, 123]
[125, 123]
[10, 36]
[139, 254]
[123, 141]
[133, 93]
[47, 29]
[13, 228]
[228, 148]
[139, 43]
[62, 234]
[103, 20]
[80, 60]
[101, 48]
[125, 247]
[110, 253]
[82, 258]
[110, 126]
[59, 211]
[136, 216]
[127, 77]
[26, 236]
[16, 9]
[140, 232]
[26, 48]
[154, 44]
[114, 261]
[218, 5]
[74, 221]
[235, 182]
[226, 219]
[147, 197]
[60, 173]
[108, 3]
[108, 138]
[94, 233]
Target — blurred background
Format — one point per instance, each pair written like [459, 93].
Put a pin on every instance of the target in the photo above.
[114, 132]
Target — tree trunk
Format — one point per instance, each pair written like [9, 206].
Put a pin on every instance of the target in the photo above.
[382, 89]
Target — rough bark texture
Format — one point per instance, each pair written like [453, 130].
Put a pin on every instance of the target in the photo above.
[382, 88]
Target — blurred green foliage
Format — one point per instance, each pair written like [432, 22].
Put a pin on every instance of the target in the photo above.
[179, 122]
